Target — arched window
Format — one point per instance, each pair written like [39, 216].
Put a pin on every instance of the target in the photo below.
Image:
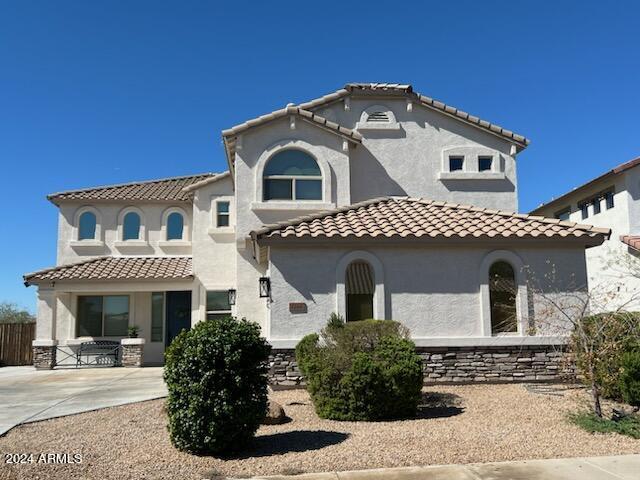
[87, 226]
[175, 226]
[502, 298]
[360, 287]
[131, 226]
[292, 175]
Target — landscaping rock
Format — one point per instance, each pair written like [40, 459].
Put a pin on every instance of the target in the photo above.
[275, 414]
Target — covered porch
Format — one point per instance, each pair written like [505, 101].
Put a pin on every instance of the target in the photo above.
[112, 310]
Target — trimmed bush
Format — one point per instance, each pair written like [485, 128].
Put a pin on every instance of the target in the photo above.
[614, 334]
[366, 370]
[630, 378]
[216, 374]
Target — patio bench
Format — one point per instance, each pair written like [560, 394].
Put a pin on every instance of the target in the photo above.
[106, 352]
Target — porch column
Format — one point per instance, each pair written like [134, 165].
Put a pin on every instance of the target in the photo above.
[44, 346]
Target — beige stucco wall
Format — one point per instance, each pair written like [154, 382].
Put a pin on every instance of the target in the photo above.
[435, 291]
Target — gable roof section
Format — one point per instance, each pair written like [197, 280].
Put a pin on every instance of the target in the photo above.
[609, 174]
[305, 110]
[403, 217]
[230, 135]
[116, 268]
[161, 190]
[203, 183]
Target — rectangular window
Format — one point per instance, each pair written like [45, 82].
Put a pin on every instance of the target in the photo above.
[157, 316]
[278, 189]
[584, 208]
[218, 304]
[456, 163]
[308, 189]
[103, 316]
[485, 164]
[596, 205]
[222, 214]
[563, 214]
[608, 197]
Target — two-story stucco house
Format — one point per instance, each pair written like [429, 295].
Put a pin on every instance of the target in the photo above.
[610, 200]
[373, 201]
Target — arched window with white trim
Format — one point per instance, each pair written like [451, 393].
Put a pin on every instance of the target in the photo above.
[87, 226]
[360, 289]
[131, 226]
[503, 291]
[175, 226]
[292, 175]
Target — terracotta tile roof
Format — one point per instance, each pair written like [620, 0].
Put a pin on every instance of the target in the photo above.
[117, 268]
[165, 189]
[611, 173]
[632, 240]
[305, 109]
[407, 90]
[403, 217]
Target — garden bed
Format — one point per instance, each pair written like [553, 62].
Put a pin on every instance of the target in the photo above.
[458, 424]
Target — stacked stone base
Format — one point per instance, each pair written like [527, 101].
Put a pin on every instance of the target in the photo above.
[132, 355]
[44, 357]
[537, 363]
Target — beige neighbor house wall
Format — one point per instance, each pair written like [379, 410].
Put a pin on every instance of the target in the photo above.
[436, 291]
[610, 282]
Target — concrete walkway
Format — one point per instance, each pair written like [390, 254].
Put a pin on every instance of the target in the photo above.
[28, 395]
[623, 467]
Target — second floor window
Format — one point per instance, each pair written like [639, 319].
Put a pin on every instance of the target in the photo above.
[175, 226]
[87, 226]
[485, 164]
[564, 214]
[456, 163]
[292, 175]
[222, 214]
[131, 226]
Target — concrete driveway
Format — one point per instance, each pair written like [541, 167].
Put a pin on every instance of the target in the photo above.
[28, 395]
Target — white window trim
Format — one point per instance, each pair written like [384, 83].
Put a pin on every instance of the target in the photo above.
[316, 153]
[522, 307]
[97, 240]
[141, 241]
[363, 124]
[471, 165]
[379, 304]
[204, 291]
[214, 229]
[186, 228]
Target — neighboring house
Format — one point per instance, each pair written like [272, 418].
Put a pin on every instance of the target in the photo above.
[611, 200]
[373, 201]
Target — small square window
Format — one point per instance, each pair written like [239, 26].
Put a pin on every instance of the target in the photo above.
[456, 163]
[222, 214]
[485, 164]
[218, 304]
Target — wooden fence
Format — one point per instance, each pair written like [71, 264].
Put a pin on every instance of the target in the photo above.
[15, 343]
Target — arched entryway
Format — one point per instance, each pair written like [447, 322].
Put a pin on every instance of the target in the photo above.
[360, 288]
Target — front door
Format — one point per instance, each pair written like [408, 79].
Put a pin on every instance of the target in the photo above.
[178, 313]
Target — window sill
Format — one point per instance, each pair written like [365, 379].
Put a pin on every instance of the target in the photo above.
[471, 176]
[123, 244]
[377, 126]
[291, 205]
[174, 243]
[86, 243]
[221, 231]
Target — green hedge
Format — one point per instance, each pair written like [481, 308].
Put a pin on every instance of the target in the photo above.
[216, 374]
[366, 370]
[630, 378]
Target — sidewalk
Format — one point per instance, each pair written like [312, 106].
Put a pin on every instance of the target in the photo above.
[623, 467]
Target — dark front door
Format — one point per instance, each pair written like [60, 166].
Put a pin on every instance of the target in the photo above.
[178, 313]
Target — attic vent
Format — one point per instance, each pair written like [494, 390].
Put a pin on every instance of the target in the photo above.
[378, 117]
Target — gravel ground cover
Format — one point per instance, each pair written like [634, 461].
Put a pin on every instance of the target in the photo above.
[458, 424]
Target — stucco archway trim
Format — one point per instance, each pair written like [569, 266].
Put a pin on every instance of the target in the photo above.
[293, 144]
[76, 223]
[341, 275]
[522, 311]
[143, 223]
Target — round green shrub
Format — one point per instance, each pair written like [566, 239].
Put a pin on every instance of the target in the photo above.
[630, 378]
[366, 370]
[216, 374]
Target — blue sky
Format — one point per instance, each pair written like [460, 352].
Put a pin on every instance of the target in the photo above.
[103, 92]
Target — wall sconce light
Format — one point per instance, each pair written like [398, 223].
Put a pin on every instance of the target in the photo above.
[265, 287]
[231, 294]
